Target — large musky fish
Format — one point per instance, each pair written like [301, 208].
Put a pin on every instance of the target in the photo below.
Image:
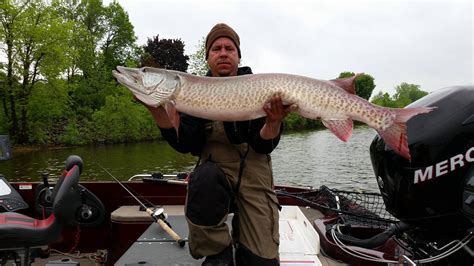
[243, 97]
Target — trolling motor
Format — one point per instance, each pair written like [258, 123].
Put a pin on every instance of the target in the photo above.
[434, 192]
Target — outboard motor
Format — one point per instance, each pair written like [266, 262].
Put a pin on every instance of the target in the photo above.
[435, 190]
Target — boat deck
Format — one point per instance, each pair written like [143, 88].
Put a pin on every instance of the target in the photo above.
[154, 246]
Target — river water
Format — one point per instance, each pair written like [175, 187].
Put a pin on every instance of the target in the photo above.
[311, 158]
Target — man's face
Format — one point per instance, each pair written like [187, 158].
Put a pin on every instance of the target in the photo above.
[223, 58]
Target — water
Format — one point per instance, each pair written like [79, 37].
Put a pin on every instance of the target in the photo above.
[319, 158]
[312, 158]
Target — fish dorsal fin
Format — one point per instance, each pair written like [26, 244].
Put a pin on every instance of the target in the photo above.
[348, 84]
[342, 128]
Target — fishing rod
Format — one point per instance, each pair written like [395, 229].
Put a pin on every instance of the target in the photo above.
[158, 214]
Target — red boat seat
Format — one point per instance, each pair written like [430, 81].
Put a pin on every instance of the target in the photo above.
[18, 231]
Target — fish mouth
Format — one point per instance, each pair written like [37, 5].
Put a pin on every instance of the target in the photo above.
[129, 77]
[128, 72]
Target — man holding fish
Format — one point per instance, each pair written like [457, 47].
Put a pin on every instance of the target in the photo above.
[235, 172]
[241, 150]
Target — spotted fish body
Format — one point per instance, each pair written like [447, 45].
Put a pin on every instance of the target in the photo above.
[243, 97]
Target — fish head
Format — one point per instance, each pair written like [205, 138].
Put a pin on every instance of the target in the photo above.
[152, 86]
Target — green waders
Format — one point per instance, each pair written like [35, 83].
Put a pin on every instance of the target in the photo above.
[256, 200]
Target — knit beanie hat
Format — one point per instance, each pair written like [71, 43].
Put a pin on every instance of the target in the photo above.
[222, 30]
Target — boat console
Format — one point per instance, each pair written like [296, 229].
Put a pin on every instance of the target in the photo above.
[21, 235]
[10, 200]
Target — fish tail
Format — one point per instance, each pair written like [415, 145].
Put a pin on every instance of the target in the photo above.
[396, 135]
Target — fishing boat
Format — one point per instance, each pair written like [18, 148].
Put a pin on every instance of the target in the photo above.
[424, 213]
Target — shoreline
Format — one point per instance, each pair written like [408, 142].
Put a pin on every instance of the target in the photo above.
[32, 148]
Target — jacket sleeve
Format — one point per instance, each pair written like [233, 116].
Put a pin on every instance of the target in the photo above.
[191, 135]
[260, 145]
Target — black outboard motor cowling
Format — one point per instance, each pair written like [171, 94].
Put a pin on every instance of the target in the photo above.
[436, 189]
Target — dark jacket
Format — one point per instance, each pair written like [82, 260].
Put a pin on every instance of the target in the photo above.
[192, 134]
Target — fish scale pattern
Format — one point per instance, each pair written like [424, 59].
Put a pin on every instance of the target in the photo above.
[244, 97]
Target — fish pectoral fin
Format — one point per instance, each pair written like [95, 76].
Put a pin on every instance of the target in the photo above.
[342, 128]
[173, 115]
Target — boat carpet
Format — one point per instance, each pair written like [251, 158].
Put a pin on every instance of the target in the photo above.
[155, 247]
[299, 243]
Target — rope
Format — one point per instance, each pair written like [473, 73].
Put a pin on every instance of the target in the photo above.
[77, 239]
[99, 257]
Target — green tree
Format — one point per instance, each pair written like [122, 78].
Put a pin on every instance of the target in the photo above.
[383, 99]
[407, 93]
[166, 53]
[34, 37]
[44, 42]
[118, 44]
[364, 84]
[121, 120]
[10, 16]
[103, 38]
[404, 95]
[197, 61]
[48, 118]
[296, 122]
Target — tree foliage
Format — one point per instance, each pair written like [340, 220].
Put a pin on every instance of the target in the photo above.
[408, 93]
[103, 38]
[197, 61]
[294, 121]
[384, 99]
[57, 74]
[48, 118]
[404, 95]
[121, 120]
[33, 38]
[165, 53]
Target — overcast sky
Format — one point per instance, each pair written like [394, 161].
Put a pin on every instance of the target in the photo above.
[428, 43]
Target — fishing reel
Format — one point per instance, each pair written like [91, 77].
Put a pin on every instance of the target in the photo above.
[159, 213]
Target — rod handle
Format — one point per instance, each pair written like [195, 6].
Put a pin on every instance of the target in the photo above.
[171, 233]
[168, 229]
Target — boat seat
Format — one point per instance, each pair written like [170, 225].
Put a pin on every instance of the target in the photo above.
[19, 232]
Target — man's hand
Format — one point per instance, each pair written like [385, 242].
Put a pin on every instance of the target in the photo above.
[276, 112]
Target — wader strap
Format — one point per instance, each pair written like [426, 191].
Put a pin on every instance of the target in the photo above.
[197, 163]
[242, 157]
[209, 158]
[241, 168]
